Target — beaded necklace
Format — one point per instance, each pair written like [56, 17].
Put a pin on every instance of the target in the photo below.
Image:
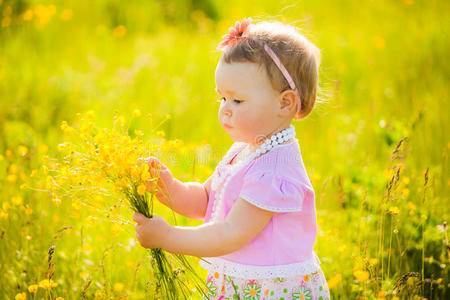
[270, 143]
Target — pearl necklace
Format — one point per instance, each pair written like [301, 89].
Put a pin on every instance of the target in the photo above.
[270, 143]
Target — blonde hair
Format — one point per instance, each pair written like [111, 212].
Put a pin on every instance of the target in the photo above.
[300, 57]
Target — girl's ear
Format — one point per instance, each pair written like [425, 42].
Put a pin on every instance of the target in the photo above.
[288, 103]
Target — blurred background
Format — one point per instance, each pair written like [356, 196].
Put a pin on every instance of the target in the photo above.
[376, 146]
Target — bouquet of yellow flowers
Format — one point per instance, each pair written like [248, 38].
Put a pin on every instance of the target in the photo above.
[102, 161]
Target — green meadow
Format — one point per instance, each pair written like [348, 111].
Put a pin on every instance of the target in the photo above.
[376, 146]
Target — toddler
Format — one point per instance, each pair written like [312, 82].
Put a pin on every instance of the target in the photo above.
[258, 206]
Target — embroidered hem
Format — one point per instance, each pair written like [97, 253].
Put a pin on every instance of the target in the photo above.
[223, 266]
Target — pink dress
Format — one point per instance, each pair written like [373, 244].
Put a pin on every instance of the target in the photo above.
[279, 263]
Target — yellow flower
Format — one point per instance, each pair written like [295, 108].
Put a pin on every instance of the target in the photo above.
[33, 173]
[393, 210]
[28, 211]
[373, 261]
[315, 176]
[1, 157]
[119, 31]
[381, 294]
[138, 132]
[66, 14]
[47, 284]
[17, 200]
[118, 286]
[33, 288]
[59, 298]
[141, 189]
[27, 15]
[411, 205]
[13, 169]
[334, 281]
[136, 113]
[4, 214]
[100, 294]
[405, 192]
[8, 153]
[21, 296]
[62, 147]
[84, 275]
[361, 276]
[22, 150]
[5, 205]
[378, 42]
[160, 134]
[68, 131]
[43, 148]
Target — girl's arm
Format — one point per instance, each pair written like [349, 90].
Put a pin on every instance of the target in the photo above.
[243, 223]
[189, 199]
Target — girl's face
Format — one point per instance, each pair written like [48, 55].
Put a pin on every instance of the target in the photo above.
[250, 107]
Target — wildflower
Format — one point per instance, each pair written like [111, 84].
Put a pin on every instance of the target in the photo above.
[361, 276]
[405, 192]
[62, 147]
[334, 281]
[315, 176]
[66, 14]
[160, 134]
[8, 153]
[13, 169]
[43, 148]
[21, 296]
[59, 298]
[33, 288]
[100, 294]
[381, 294]
[1, 157]
[4, 214]
[136, 113]
[22, 150]
[119, 31]
[17, 200]
[118, 286]
[373, 261]
[47, 284]
[138, 132]
[28, 211]
[378, 42]
[411, 205]
[27, 15]
[393, 210]
[141, 189]
[442, 227]
[84, 275]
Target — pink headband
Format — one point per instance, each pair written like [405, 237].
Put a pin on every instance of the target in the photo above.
[236, 33]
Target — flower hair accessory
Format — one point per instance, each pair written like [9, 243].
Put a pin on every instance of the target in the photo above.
[235, 33]
[238, 32]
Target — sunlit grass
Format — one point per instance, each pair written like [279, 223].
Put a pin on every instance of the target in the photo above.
[377, 151]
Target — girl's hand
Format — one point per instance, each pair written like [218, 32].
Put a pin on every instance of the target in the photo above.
[165, 178]
[151, 232]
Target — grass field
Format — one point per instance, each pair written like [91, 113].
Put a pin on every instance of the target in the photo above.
[376, 146]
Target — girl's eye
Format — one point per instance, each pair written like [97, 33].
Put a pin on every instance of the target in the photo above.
[235, 100]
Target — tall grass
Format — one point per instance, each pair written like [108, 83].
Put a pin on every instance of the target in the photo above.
[385, 76]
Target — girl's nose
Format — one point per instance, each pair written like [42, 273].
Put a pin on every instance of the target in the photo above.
[227, 112]
[225, 109]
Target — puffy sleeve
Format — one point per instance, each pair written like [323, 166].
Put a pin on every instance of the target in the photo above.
[274, 192]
